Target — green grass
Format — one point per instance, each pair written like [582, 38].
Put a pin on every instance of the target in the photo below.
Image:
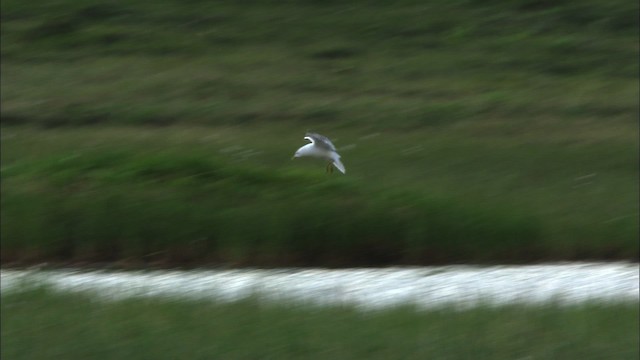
[401, 66]
[471, 131]
[42, 324]
[187, 206]
[184, 195]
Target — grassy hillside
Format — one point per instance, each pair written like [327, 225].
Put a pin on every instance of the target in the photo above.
[404, 65]
[471, 131]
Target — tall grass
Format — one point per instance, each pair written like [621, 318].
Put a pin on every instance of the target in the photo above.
[166, 196]
[106, 206]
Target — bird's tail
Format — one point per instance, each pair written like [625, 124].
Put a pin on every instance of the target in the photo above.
[338, 164]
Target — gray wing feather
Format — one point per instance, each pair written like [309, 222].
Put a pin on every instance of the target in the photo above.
[322, 141]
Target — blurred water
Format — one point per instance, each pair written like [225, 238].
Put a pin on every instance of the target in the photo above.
[365, 287]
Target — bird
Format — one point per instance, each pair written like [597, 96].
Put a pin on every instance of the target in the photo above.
[321, 147]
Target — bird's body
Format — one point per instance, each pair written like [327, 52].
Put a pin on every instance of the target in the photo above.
[321, 147]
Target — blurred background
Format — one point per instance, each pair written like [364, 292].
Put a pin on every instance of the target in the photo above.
[160, 133]
[471, 131]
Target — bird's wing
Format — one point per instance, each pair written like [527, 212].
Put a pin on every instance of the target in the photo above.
[338, 164]
[320, 141]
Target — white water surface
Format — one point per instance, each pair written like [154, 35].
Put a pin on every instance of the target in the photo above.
[368, 288]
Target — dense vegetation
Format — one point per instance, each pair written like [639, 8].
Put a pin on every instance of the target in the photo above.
[472, 131]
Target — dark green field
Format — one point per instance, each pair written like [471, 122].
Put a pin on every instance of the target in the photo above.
[41, 324]
[472, 131]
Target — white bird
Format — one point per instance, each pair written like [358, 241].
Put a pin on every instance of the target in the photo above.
[321, 147]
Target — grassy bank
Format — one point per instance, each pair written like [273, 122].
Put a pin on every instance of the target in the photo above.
[471, 132]
[187, 195]
[187, 205]
[40, 324]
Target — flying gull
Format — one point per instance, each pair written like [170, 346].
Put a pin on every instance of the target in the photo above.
[321, 147]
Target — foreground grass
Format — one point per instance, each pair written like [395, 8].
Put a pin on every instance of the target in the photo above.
[40, 324]
[186, 205]
[198, 195]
